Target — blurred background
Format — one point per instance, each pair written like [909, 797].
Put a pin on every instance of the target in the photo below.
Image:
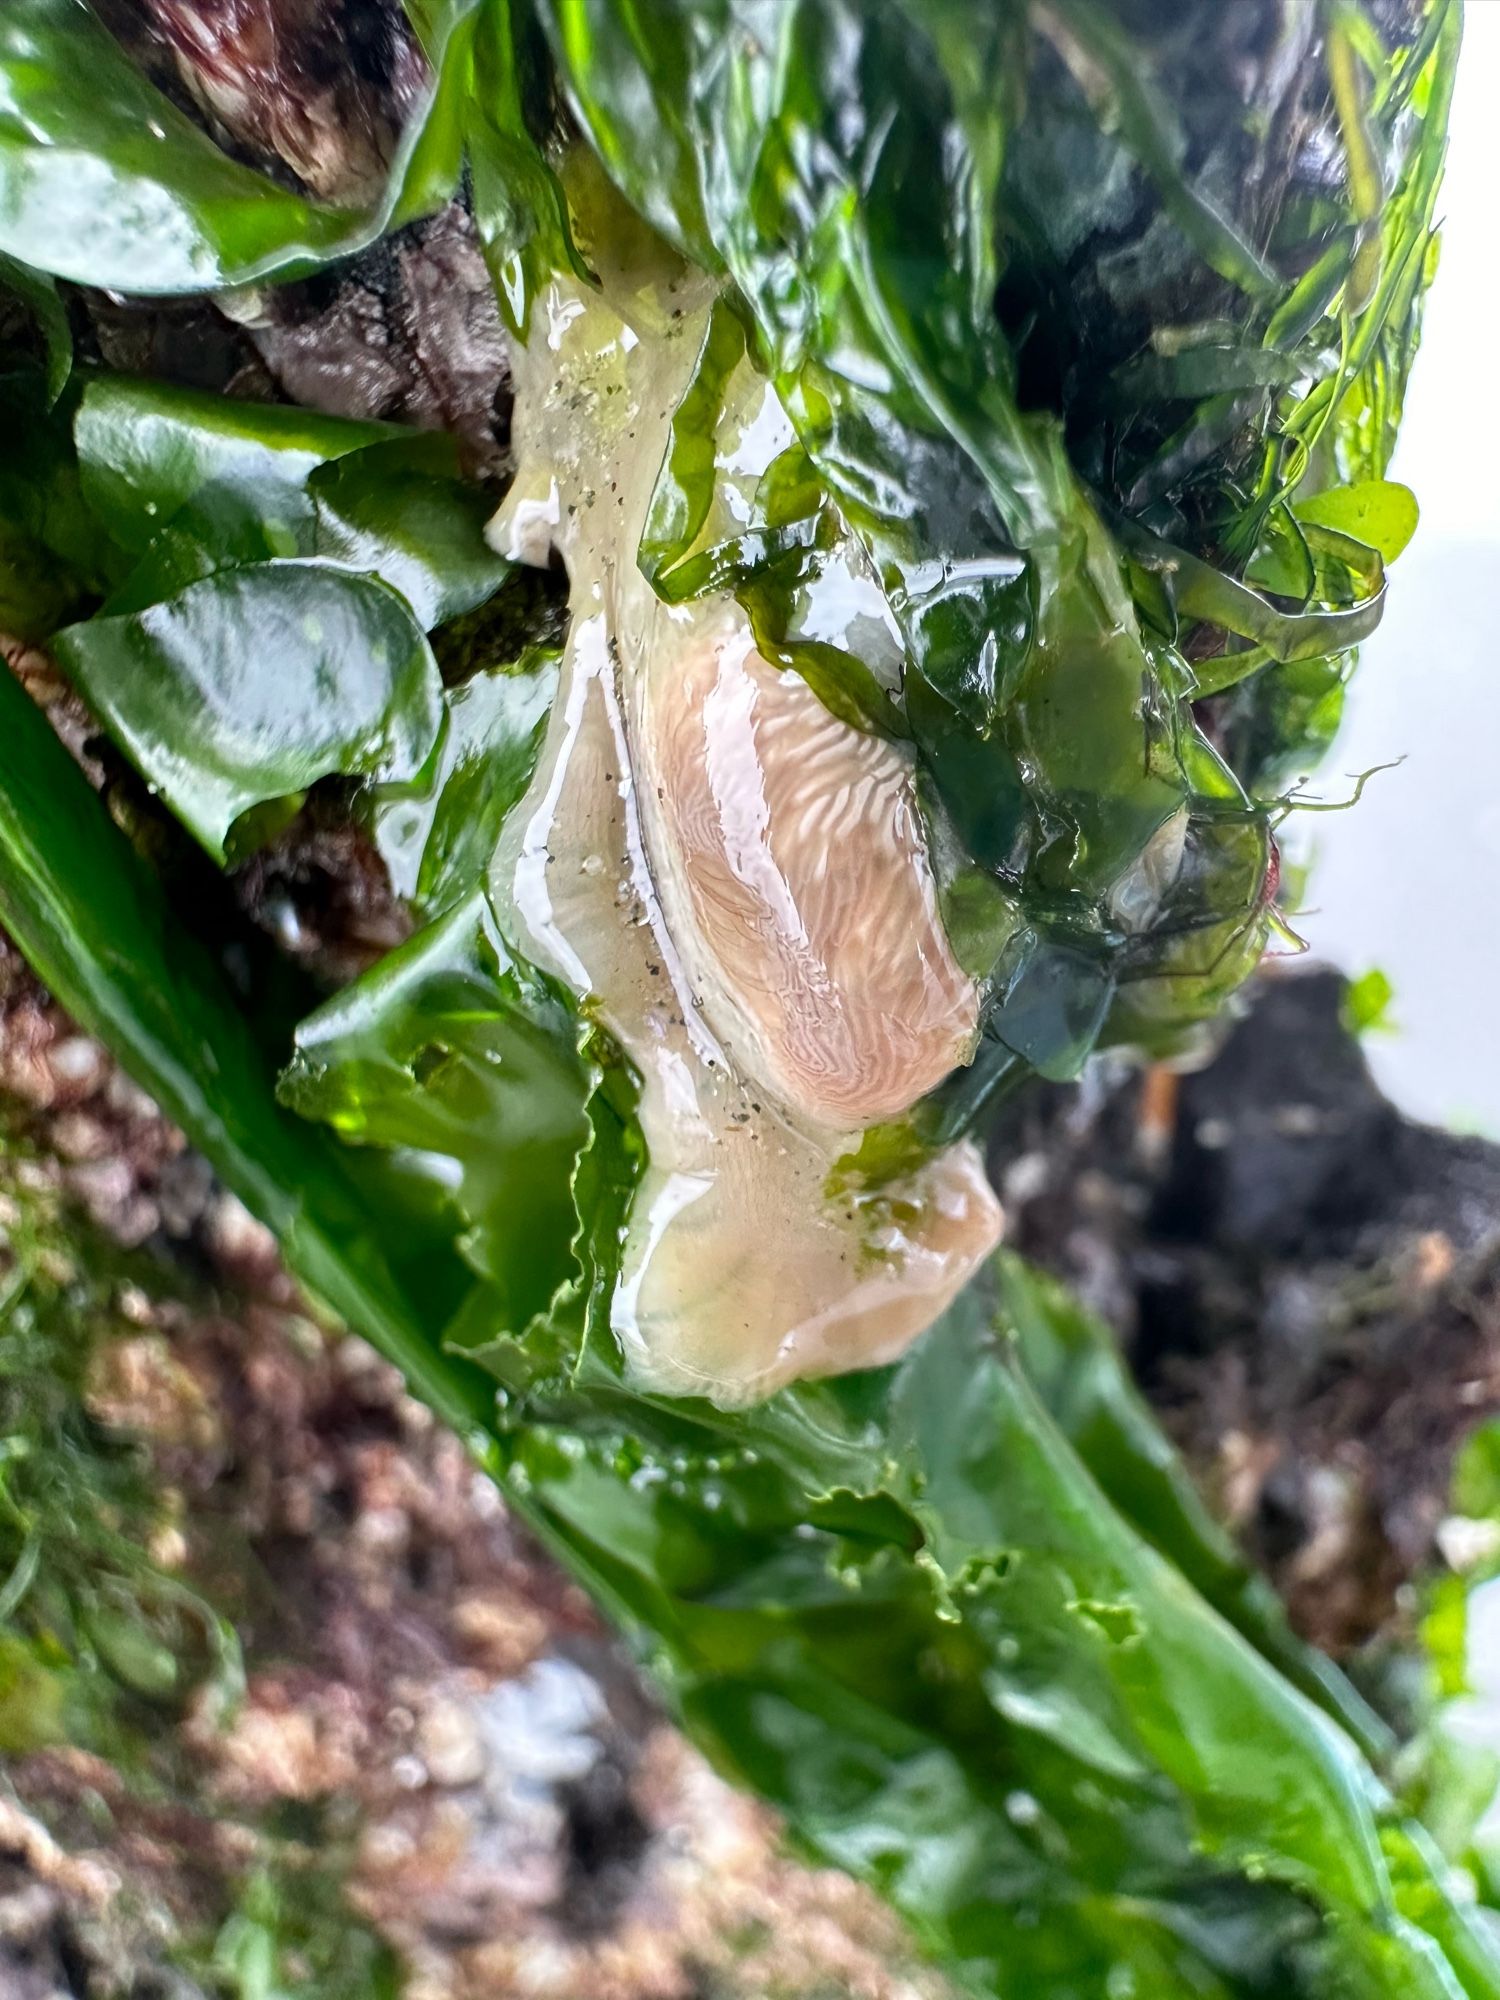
[1408, 882]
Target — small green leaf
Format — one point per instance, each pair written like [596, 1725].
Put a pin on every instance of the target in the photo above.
[1200, 591]
[411, 519]
[437, 834]
[450, 1050]
[520, 210]
[1381, 513]
[144, 448]
[33, 1699]
[132, 1652]
[1366, 1008]
[202, 483]
[254, 683]
[686, 483]
[1476, 1478]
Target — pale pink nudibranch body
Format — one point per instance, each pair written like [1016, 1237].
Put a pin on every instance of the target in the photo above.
[737, 883]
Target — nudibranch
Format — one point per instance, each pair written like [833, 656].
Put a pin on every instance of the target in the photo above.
[737, 884]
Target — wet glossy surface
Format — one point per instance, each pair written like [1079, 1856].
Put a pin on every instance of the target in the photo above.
[738, 882]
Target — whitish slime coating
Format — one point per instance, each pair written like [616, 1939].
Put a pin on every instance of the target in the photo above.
[737, 882]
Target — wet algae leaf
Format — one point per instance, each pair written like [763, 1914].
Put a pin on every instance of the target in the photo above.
[246, 687]
[104, 180]
[145, 448]
[1100, 390]
[437, 834]
[189, 484]
[445, 1043]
